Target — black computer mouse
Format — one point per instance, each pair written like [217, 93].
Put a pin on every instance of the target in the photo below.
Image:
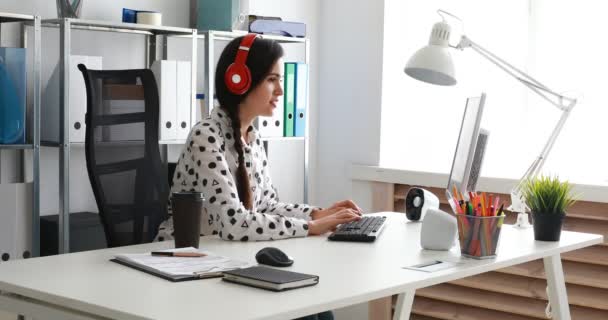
[273, 257]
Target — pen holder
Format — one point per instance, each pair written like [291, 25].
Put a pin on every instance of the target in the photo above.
[478, 236]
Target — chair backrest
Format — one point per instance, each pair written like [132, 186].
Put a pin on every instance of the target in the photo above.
[128, 177]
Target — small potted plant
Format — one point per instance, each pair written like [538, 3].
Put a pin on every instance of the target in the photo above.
[548, 199]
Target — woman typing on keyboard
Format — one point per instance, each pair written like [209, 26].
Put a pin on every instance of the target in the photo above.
[225, 160]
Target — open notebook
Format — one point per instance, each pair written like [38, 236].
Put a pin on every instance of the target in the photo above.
[181, 268]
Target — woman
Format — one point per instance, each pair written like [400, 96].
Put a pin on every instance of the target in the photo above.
[225, 160]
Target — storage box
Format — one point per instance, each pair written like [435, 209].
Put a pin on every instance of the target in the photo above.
[223, 15]
[12, 95]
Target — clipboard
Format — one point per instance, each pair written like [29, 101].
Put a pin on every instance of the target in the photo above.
[177, 269]
[168, 277]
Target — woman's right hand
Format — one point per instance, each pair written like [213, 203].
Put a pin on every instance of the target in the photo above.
[331, 221]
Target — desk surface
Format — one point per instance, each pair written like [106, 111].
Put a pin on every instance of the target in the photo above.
[349, 273]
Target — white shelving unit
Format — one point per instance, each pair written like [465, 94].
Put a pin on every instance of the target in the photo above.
[211, 37]
[65, 29]
[66, 26]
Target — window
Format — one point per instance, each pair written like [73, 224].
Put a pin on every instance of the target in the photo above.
[420, 122]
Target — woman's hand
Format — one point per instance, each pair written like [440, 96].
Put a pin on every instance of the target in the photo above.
[333, 218]
[345, 204]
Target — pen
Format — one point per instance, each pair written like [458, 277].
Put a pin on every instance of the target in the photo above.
[178, 254]
[500, 210]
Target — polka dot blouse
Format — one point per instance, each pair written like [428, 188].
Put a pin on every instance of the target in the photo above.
[207, 164]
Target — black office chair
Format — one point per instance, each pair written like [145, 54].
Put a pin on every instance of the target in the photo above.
[129, 179]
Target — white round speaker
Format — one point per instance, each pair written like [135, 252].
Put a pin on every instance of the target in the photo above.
[418, 201]
[438, 230]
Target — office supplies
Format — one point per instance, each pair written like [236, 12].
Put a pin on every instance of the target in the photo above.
[270, 279]
[478, 235]
[181, 268]
[178, 254]
[273, 126]
[15, 229]
[301, 99]
[438, 231]
[367, 229]
[174, 81]
[185, 111]
[281, 28]
[432, 266]
[129, 15]
[433, 64]
[418, 201]
[273, 257]
[150, 17]
[289, 97]
[77, 100]
[12, 95]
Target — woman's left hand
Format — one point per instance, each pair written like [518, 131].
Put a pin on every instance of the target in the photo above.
[347, 204]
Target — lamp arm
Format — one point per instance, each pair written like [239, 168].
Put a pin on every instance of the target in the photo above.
[558, 100]
[565, 104]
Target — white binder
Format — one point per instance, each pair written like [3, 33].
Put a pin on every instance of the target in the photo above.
[273, 126]
[78, 95]
[76, 101]
[185, 112]
[165, 72]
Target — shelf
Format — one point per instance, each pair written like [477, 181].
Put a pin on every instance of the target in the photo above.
[16, 146]
[126, 143]
[14, 17]
[229, 35]
[111, 26]
[283, 138]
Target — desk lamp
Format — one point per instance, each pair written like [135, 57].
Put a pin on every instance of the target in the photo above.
[433, 64]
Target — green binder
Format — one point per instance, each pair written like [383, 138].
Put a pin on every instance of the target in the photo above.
[289, 95]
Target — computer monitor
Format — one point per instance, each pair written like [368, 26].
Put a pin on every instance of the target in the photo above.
[470, 147]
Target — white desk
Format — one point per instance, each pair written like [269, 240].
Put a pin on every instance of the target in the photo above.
[87, 286]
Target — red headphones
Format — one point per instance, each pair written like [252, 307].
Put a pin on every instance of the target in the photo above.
[238, 76]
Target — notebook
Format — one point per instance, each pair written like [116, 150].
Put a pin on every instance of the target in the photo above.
[270, 278]
[181, 268]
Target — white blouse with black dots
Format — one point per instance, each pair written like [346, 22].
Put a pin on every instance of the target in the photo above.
[206, 165]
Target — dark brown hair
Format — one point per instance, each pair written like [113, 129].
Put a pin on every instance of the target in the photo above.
[262, 56]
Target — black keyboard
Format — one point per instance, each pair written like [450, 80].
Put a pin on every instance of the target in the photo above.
[365, 230]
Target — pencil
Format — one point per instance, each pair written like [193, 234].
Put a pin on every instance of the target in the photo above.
[178, 254]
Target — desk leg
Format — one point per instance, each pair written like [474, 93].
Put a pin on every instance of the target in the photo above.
[404, 305]
[558, 297]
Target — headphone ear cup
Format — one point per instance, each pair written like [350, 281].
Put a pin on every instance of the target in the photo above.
[237, 78]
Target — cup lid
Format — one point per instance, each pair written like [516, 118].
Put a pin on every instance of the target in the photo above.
[188, 195]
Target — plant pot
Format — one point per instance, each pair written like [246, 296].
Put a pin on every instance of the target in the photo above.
[547, 226]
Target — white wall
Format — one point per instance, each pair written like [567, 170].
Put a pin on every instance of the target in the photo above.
[350, 94]
[350, 84]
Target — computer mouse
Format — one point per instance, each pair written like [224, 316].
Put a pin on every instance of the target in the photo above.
[273, 257]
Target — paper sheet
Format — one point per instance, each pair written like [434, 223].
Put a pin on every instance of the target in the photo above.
[176, 266]
[432, 266]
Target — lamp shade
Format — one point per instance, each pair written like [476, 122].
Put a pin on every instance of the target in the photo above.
[433, 63]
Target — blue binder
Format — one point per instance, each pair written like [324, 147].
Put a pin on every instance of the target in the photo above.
[301, 99]
[12, 95]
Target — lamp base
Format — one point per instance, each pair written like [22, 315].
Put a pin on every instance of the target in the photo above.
[523, 221]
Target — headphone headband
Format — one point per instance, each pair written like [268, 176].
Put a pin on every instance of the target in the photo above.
[243, 52]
